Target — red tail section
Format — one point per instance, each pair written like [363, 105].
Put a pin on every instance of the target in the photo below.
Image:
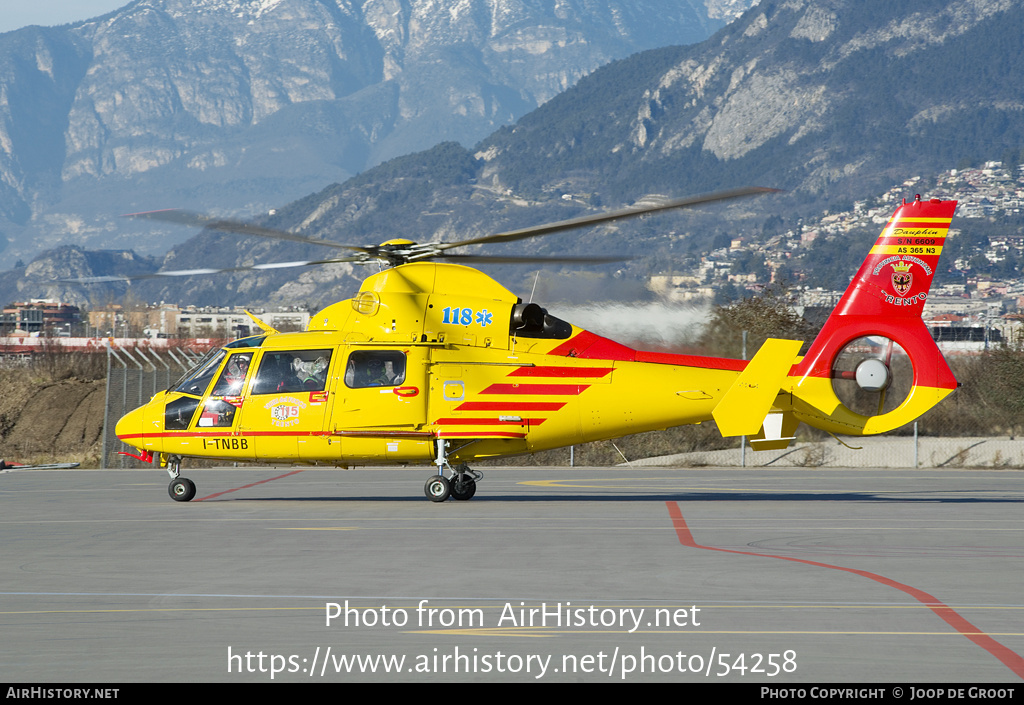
[884, 301]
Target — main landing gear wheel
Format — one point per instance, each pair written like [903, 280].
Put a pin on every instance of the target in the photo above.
[463, 487]
[437, 488]
[462, 483]
[181, 489]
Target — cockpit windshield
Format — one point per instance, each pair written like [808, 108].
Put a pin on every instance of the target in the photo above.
[198, 378]
[253, 341]
[194, 368]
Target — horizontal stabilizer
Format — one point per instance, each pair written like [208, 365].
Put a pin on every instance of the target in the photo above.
[750, 398]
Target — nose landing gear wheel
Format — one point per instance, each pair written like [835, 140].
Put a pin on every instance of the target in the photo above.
[437, 488]
[181, 489]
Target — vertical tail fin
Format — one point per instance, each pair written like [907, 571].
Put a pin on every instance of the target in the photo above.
[874, 366]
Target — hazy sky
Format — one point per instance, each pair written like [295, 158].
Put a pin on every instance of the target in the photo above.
[20, 13]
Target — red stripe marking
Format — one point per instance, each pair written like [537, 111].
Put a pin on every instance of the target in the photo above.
[487, 422]
[510, 406]
[554, 371]
[224, 434]
[551, 389]
[253, 484]
[1008, 657]
[893, 241]
[480, 434]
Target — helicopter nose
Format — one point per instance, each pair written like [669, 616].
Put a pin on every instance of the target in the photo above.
[131, 428]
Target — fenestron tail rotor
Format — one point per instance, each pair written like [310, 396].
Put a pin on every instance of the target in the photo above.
[400, 251]
[872, 375]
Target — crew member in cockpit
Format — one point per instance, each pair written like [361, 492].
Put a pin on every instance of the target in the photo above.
[376, 373]
[233, 377]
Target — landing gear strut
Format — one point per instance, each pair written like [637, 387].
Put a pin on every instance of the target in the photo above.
[460, 485]
[181, 489]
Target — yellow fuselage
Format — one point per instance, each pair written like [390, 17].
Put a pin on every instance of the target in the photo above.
[455, 368]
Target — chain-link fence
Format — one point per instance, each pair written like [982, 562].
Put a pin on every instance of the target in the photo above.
[134, 375]
[885, 451]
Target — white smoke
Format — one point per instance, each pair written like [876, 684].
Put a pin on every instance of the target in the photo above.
[655, 325]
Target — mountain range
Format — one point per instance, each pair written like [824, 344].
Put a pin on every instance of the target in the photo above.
[833, 100]
[237, 106]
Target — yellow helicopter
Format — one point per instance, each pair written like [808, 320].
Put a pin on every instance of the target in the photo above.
[436, 363]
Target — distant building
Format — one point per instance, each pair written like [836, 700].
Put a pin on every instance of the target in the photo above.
[966, 334]
[39, 317]
[208, 322]
[170, 321]
[678, 287]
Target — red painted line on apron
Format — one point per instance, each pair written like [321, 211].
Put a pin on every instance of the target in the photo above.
[1009, 658]
[269, 479]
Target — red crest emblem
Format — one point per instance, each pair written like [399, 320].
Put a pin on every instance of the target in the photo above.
[902, 279]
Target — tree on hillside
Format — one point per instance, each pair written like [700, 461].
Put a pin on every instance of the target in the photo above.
[997, 387]
[770, 315]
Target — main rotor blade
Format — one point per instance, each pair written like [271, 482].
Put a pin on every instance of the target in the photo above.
[199, 220]
[622, 214]
[194, 272]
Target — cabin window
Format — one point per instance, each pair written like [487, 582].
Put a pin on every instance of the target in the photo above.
[375, 368]
[233, 376]
[292, 371]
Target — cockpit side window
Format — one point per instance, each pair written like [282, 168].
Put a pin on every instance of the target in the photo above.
[375, 368]
[233, 376]
[292, 371]
[217, 413]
